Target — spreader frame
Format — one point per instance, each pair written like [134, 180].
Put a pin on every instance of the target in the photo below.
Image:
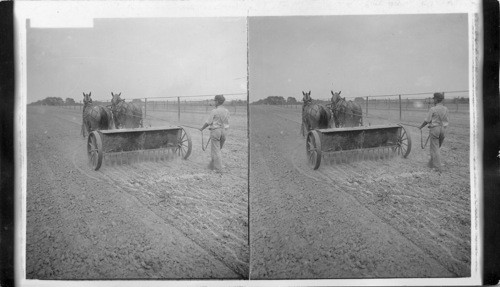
[123, 142]
[348, 142]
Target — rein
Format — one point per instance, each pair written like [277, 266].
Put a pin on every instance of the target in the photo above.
[422, 140]
[203, 146]
[422, 144]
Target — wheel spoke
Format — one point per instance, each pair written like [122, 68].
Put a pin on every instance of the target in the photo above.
[309, 146]
[403, 150]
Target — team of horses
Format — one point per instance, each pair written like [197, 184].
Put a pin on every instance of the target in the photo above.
[339, 113]
[119, 114]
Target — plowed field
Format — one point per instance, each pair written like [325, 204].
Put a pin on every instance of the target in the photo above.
[375, 218]
[150, 219]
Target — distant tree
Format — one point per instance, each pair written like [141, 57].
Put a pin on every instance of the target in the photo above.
[271, 100]
[136, 101]
[463, 100]
[359, 99]
[54, 101]
[276, 100]
[237, 103]
[291, 100]
[70, 101]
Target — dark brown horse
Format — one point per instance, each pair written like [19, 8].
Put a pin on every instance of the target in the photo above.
[345, 113]
[95, 117]
[127, 115]
[314, 116]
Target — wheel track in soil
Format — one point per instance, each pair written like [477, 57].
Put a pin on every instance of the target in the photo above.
[75, 160]
[346, 263]
[115, 173]
[444, 254]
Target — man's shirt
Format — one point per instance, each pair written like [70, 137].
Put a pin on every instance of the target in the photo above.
[437, 116]
[219, 118]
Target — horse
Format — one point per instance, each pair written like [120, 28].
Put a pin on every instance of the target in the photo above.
[127, 115]
[313, 115]
[345, 113]
[95, 117]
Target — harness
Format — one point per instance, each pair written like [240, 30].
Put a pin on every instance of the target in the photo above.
[119, 107]
[337, 109]
[88, 110]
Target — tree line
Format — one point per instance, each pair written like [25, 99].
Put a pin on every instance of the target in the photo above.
[54, 101]
[276, 100]
[57, 101]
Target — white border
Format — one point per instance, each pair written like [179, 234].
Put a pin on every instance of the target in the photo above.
[78, 14]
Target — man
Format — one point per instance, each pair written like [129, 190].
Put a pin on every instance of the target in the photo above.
[437, 118]
[218, 122]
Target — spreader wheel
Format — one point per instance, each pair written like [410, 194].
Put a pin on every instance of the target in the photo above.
[94, 150]
[313, 148]
[404, 142]
[184, 144]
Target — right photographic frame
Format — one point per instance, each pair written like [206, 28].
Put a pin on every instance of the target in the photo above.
[362, 147]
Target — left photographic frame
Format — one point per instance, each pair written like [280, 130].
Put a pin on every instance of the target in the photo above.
[117, 180]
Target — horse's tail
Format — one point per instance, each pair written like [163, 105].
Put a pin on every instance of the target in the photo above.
[355, 113]
[137, 113]
[324, 118]
[103, 119]
[359, 113]
[111, 120]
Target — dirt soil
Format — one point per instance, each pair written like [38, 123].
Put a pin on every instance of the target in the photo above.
[376, 218]
[143, 220]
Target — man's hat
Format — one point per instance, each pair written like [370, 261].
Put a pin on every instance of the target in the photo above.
[219, 99]
[439, 96]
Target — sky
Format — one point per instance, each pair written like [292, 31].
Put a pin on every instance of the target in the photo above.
[358, 55]
[139, 57]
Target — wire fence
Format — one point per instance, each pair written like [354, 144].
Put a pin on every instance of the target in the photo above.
[188, 104]
[457, 103]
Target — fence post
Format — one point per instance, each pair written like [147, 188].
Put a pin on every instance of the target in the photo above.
[179, 109]
[145, 106]
[400, 107]
[366, 113]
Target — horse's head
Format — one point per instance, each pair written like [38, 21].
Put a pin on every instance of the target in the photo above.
[306, 97]
[115, 98]
[336, 96]
[87, 98]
